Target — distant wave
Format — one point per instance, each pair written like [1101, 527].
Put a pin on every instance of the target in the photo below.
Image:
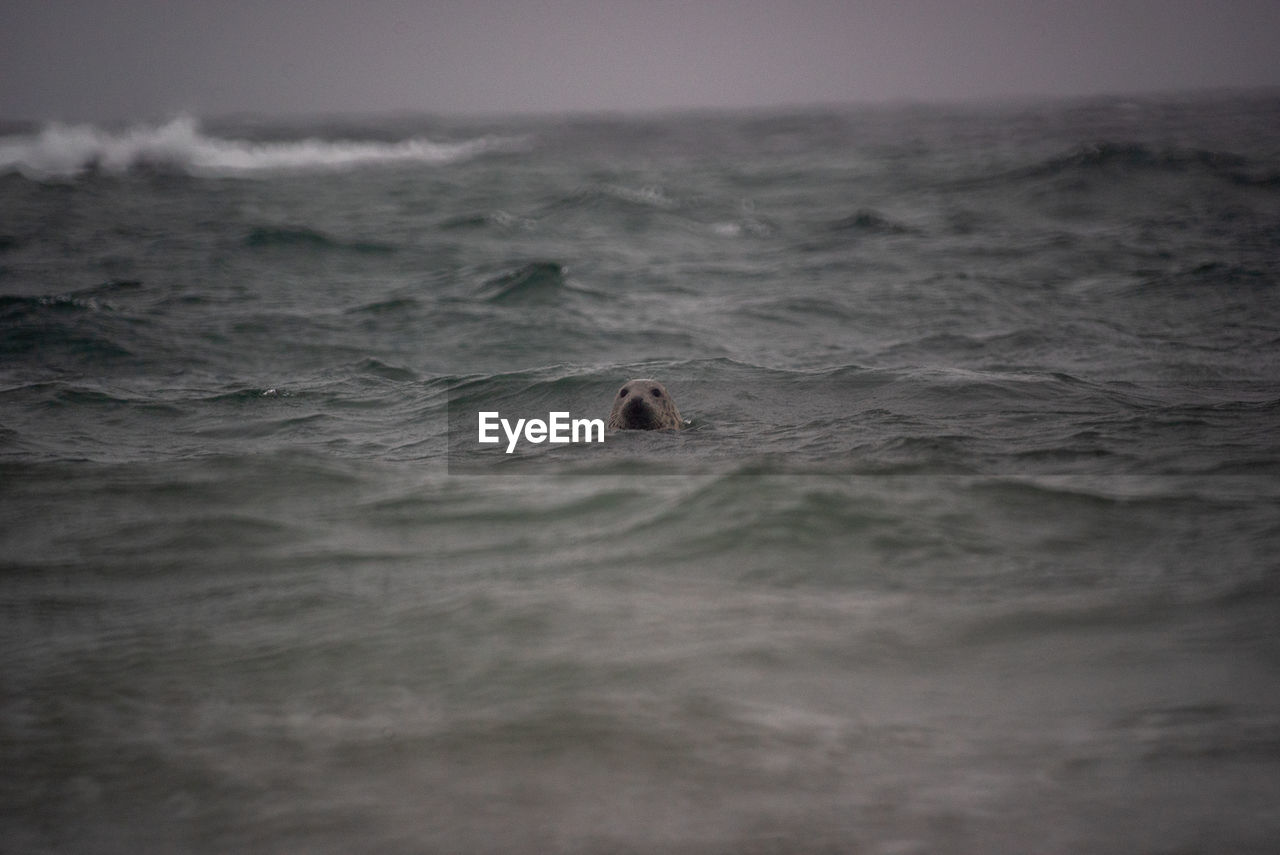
[1132, 156]
[1123, 158]
[64, 151]
[300, 237]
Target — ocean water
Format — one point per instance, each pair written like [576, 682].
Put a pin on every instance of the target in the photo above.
[969, 545]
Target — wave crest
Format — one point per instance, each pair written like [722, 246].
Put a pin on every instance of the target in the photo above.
[1126, 157]
[65, 151]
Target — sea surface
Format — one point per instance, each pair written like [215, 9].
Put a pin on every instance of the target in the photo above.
[971, 543]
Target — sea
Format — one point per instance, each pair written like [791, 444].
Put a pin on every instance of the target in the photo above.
[970, 542]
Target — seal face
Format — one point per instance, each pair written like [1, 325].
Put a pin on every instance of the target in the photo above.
[644, 404]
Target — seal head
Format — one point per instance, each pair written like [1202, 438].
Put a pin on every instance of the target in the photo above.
[644, 404]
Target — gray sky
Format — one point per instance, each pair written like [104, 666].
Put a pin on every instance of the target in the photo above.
[148, 59]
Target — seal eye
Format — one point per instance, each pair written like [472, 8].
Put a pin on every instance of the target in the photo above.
[622, 393]
[657, 393]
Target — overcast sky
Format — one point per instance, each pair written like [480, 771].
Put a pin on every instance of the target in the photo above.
[148, 59]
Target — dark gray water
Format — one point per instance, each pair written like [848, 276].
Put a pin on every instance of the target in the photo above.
[969, 545]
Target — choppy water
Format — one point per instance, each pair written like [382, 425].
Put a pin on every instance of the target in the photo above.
[970, 545]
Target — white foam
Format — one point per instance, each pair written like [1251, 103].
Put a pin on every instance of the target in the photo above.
[67, 150]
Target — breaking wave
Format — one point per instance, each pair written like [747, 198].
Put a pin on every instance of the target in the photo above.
[179, 145]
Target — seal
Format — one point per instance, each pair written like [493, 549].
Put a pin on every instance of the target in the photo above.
[644, 404]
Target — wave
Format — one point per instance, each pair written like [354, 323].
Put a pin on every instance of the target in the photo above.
[534, 281]
[593, 198]
[300, 237]
[1125, 155]
[867, 221]
[66, 151]
[1132, 158]
[94, 298]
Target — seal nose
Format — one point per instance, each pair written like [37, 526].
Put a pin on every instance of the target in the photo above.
[638, 414]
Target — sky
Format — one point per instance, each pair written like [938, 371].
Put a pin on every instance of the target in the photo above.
[89, 60]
